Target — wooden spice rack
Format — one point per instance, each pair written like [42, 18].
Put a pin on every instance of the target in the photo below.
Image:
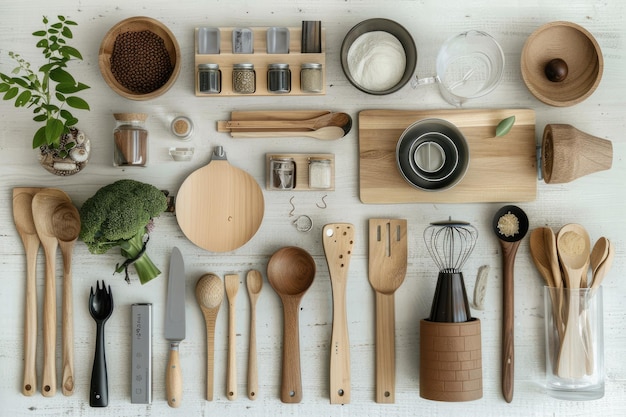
[301, 161]
[260, 59]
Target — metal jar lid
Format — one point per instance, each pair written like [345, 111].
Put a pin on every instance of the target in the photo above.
[311, 65]
[208, 66]
[244, 66]
[278, 66]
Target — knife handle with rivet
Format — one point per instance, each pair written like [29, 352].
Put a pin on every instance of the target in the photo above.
[174, 378]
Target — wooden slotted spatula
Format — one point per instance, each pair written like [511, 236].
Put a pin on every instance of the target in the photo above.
[338, 240]
[387, 268]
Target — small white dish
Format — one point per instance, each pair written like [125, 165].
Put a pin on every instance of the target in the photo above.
[181, 154]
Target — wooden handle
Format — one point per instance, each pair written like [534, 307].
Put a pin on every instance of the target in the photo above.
[509, 249]
[174, 378]
[209, 319]
[49, 383]
[67, 379]
[385, 349]
[291, 386]
[340, 347]
[30, 320]
[231, 377]
[253, 369]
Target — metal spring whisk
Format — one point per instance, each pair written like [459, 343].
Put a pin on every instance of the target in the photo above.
[450, 243]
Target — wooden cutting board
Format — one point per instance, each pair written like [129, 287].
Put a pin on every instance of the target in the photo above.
[501, 169]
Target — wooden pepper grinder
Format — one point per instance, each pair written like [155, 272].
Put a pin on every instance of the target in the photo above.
[567, 154]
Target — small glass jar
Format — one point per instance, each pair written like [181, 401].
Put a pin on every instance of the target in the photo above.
[182, 127]
[283, 174]
[320, 173]
[311, 78]
[278, 78]
[130, 140]
[244, 79]
[209, 79]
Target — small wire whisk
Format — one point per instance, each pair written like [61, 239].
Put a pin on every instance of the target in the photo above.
[450, 243]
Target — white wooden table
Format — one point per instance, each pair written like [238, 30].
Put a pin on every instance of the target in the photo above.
[598, 202]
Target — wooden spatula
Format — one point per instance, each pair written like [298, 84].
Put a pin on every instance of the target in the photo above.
[387, 268]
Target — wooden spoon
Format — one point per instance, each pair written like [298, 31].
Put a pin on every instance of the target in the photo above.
[25, 225]
[325, 120]
[323, 133]
[509, 242]
[66, 226]
[209, 294]
[291, 271]
[598, 255]
[541, 258]
[254, 283]
[45, 203]
[573, 246]
[605, 266]
[231, 282]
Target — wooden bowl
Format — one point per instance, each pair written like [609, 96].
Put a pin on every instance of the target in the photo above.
[571, 43]
[137, 24]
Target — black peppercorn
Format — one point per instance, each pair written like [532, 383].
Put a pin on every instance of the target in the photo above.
[556, 70]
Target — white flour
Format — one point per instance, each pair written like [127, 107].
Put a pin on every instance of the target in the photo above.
[376, 60]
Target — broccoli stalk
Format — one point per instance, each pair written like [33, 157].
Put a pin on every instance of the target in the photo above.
[121, 214]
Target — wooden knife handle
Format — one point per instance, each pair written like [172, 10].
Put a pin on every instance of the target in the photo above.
[385, 349]
[174, 378]
[509, 249]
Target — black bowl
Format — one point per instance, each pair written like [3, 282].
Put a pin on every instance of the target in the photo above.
[389, 26]
[432, 155]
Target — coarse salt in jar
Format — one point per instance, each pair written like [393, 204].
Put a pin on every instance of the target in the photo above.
[311, 78]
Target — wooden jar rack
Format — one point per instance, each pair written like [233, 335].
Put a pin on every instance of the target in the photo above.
[261, 59]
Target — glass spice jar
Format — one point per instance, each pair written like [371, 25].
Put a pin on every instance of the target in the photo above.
[244, 79]
[320, 173]
[130, 140]
[209, 79]
[283, 174]
[311, 79]
[278, 78]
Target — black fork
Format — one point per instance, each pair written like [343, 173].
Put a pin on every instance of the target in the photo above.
[100, 308]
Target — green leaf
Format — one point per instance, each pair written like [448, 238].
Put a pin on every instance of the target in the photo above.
[42, 43]
[60, 97]
[54, 128]
[4, 87]
[71, 22]
[505, 126]
[61, 76]
[39, 33]
[23, 98]
[70, 145]
[40, 137]
[12, 92]
[24, 83]
[40, 118]
[53, 31]
[61, 18]
[66, 114]
[77, 103]
[71, 88]
[57, 25]
[45, 20]
[69, 51]
[71, 122]
[67, 32]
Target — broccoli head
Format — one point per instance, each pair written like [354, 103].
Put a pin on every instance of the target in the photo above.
[120, 214]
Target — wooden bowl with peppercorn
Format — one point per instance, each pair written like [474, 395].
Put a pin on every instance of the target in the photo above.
[139, 58]
[561, 63]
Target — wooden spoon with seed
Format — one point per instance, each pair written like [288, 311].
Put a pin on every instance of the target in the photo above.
[209, 294]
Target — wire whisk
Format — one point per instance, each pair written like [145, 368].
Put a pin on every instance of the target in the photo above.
[450, 243]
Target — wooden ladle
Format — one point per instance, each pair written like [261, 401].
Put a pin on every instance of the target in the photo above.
[290, 272]
[209, 294]
[66, 227]
[573, 246]
[44, 205]
[254, 283]
[25, 225]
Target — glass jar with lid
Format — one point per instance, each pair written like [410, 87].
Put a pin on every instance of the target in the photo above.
[244, 78]
[130, 140]
[209, 79]
[311, 78]
[278, 78]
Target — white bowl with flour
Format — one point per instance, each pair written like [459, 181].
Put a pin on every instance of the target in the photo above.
[378, 56]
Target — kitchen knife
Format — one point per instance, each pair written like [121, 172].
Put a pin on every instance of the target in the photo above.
[175, 327]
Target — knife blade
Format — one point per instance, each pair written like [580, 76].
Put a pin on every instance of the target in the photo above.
[175, 327]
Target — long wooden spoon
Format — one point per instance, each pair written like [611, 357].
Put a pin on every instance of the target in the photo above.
[45, 203]
[231, 281]
[25, 225]
[254, 283]
[291, 271]
[66, 226]
[604, 267]
[323, 133]
[599, 253]
[209, 294]
[573, 246]
[325, 120]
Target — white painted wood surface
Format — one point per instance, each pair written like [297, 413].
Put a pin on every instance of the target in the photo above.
[598, 202]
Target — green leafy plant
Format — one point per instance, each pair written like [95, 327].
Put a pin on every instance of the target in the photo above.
[51, 89]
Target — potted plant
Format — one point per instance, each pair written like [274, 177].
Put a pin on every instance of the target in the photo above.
[50, 92]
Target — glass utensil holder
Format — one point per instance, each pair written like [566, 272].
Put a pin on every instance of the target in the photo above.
[130, 140]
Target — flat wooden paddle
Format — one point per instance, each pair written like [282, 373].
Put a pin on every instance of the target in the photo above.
[219, 207]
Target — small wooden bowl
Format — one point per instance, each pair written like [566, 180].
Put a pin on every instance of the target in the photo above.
[137, 24]
[577, 47]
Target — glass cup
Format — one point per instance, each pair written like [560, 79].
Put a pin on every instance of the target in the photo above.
[574, 343]
[469, 65]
